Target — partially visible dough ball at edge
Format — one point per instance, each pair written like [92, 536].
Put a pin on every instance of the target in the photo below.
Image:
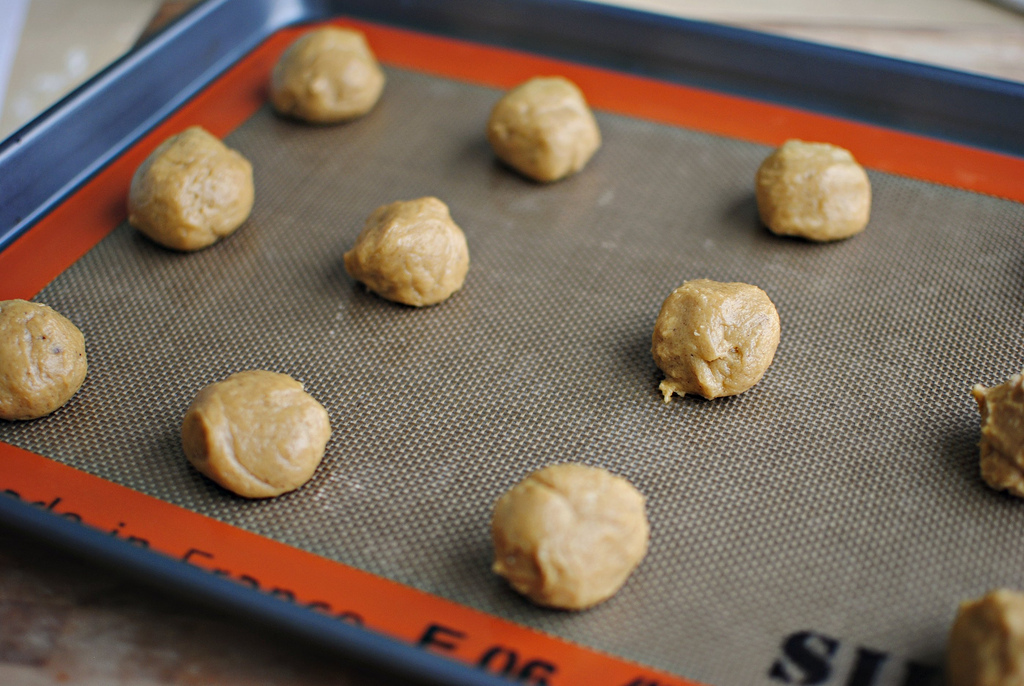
[986, 641]
[1002, 434]
[42, 360]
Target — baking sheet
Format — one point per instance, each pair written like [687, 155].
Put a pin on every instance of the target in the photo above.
[840, 496]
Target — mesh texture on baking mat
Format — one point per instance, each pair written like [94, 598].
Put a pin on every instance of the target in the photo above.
[841, 495]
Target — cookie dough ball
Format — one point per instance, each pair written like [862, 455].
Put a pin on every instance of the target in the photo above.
[568, 536]
[42, 360]
[714, 339]
[191, 191]
[1002, 434]
[411, 252]
[544, 129]
[814, 190]
[256, 433]
[986, 643]
[327, 76]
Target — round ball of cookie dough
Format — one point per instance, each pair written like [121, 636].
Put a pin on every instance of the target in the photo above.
[256, 433]
[411, 252]
[544, 129]
[1002, 434]
[42, 360]
[327, 76]
[568, 536]
[714, 339]
[813, 190]
[986, 643]
[191, 191]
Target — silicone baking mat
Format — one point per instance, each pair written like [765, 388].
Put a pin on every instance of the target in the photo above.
[822, 526]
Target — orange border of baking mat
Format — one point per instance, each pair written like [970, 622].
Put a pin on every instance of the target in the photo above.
[475, 637]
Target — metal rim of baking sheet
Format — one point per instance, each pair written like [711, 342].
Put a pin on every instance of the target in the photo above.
[51, 157]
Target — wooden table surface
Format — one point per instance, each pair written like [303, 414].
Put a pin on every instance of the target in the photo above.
[67, 621]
